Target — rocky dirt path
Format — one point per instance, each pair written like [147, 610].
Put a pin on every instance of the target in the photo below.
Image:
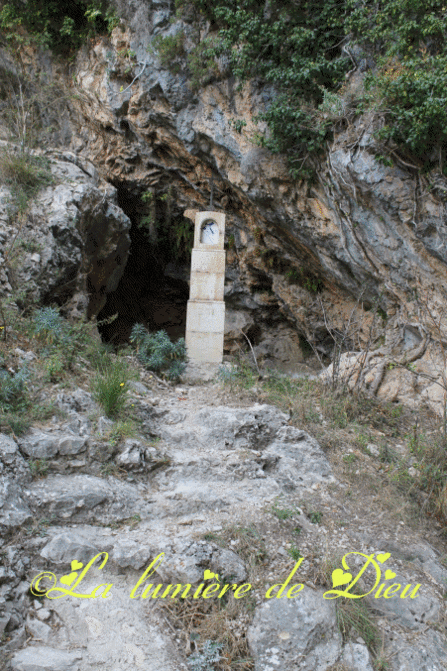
[212, 483]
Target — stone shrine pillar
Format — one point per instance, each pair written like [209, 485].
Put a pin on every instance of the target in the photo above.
[205, 315]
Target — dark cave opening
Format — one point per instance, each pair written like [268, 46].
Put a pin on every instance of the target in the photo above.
[154, 287]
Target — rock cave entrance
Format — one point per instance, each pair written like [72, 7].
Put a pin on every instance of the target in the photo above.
[154, 288]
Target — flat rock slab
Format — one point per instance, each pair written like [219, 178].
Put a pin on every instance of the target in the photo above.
[411, 613]
[46, 659]
[299, 633]
[225, 457]
[65, 547]
[81, 498]
[44, 445]
[116, 633]
[429, 653]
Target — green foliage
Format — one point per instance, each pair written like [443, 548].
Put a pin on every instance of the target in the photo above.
[304, 278]
[13, 389]
[202, 63]
[24, 174]
[183, 237]
[50, 327]
[158, 353]
[38, 468]
[293, 47]
[61, 342]
[283, 513]
[238, 124]
[110, 386]
[173, 236]
[315, 516]
[242, 375]
[56, 24]
[169, 49]
[297, 49]
[14, 422]
[294, 553]
[408, 38]
[354, 619]
[121, 430]
[206, 658]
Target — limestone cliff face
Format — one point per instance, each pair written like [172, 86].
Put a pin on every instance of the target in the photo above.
[303, 259]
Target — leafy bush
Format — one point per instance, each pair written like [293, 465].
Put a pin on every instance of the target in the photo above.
[57, 24]
[12, 389]
[50, 327]
[158, 353]
[62, 342]
[300, 50]
[170, 48]
[294, 47]
[408, 38]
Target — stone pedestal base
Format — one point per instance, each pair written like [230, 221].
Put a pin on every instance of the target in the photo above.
[205, 321]
[199, 372]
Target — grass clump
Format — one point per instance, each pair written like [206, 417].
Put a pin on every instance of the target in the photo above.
[110, 387]
[158, 353]
[38, 468]
[121, 430]
[12, 389]
[24, 174]
[283, 513]
[14, 401]
[245, 541]
[354, 619]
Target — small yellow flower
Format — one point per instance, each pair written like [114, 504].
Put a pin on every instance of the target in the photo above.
[122, 384]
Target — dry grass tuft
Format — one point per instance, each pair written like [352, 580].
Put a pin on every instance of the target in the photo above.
[222, 621]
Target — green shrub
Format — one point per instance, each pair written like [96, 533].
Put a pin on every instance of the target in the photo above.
[206, 658]
[408, 39]
[57, 24]
[169, 49]
[62, 342]
[300, 50]
[110, 387]
[202, 63]
[50, 327]
[294, 553]
[14, 422]
[294, 47]
[158, 353]
[14, 401]
[13, 389]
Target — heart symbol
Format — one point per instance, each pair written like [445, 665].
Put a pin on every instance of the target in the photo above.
[340, 578]
[383, 557]
[68, 579]
[389, 574]
[208, 575]
[75, 565]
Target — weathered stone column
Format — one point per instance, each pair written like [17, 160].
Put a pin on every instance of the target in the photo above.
[205, 316]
